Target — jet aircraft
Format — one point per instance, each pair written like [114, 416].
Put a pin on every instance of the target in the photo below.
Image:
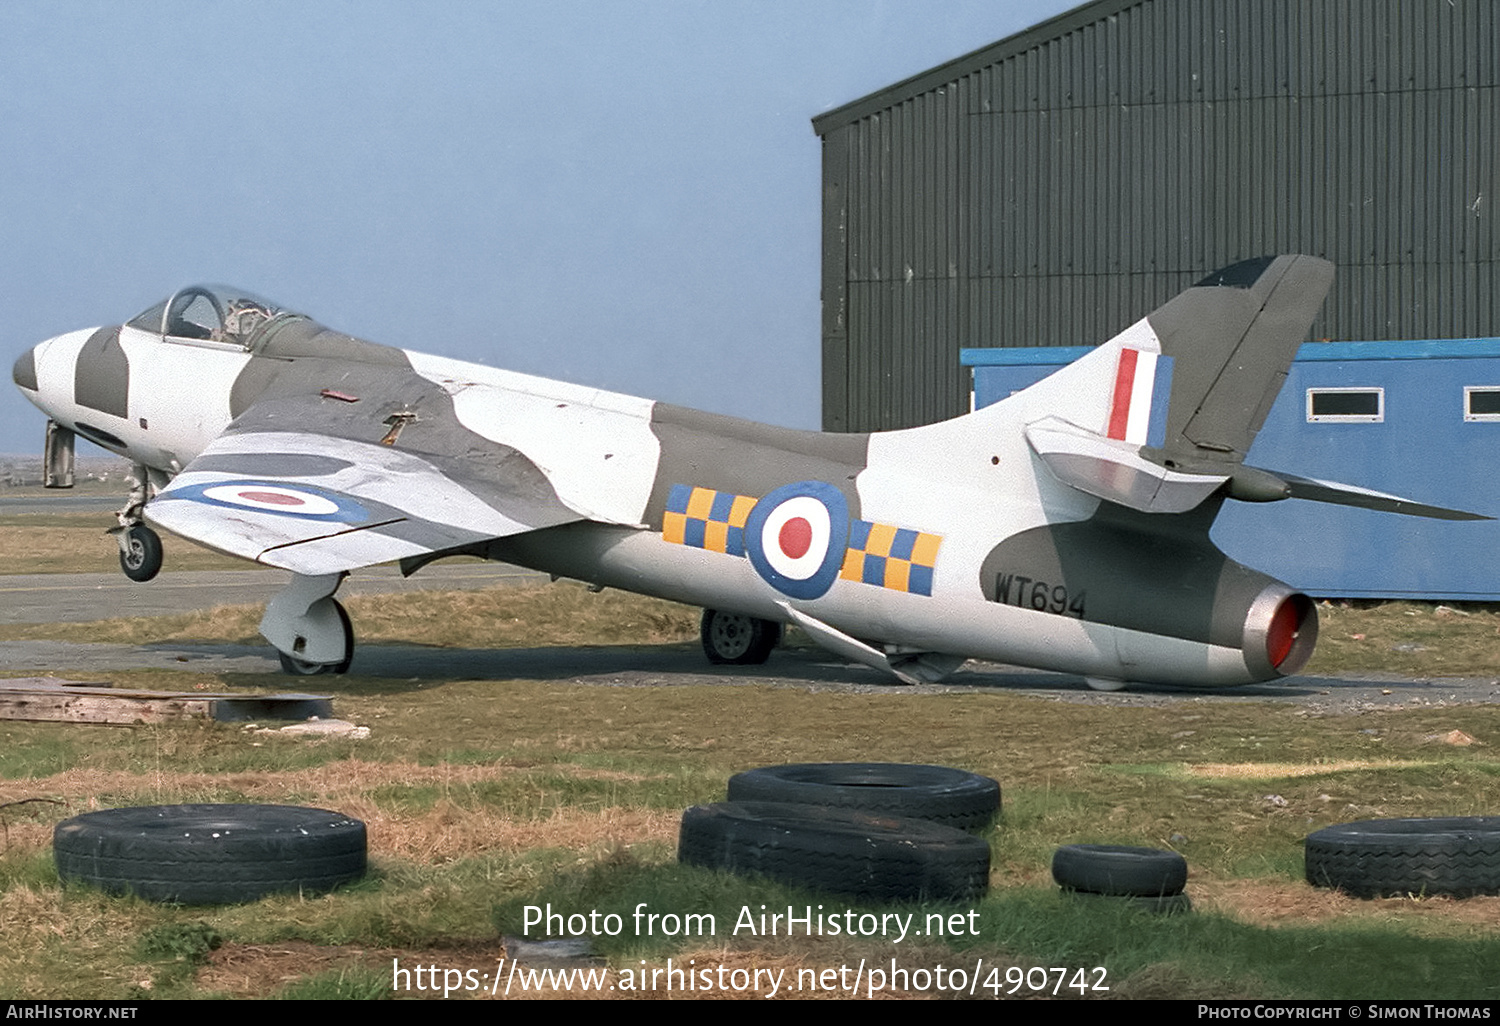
[1064, 528]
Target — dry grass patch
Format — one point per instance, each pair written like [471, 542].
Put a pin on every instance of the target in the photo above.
[1407, 639]
[1271, 903]
[565, 613]
[333, 781]
[1284, 770]
[450, 831]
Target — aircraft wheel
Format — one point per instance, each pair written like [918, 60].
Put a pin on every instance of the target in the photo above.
[736, 639]
[295, 667]
[141, 557]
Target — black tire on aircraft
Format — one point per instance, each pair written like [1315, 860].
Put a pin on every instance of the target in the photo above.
[141, 557]
[301, 668]
[837, 850]
[940, 794]
[210, 854]
[1457, 856]
[736, 639]
[1119, 870]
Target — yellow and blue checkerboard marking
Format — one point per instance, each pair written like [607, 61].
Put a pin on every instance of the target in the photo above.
[706, 519]
[891, 557]
[880, 554]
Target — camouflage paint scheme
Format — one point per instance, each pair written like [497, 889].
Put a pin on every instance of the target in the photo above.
[1064, 528]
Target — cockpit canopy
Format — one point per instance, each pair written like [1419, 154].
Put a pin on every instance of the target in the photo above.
[211, 313]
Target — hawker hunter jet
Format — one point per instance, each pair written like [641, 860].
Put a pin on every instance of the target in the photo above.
[1065, 528]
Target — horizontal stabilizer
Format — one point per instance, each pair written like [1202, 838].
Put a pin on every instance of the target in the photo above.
[1114, 470]
[1351, 495]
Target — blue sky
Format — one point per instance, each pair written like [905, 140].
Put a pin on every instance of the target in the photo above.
[624, 194]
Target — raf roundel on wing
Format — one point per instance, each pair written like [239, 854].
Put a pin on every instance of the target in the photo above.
[796, 536]
[266, 497]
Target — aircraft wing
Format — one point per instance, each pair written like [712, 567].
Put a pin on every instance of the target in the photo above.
[316, 503]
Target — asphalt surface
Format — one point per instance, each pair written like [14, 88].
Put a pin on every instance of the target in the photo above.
[62, 502]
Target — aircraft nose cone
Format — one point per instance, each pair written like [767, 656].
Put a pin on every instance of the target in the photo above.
[24, 371]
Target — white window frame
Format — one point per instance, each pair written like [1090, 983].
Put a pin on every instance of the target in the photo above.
[1469, 414]
[1347, 418]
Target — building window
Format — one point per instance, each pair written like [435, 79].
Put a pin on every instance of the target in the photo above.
[1346, 405]
[1481, 402]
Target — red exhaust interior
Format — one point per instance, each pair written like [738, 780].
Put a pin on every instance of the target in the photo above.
[1286, 624]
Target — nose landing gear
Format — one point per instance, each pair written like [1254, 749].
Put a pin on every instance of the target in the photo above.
[140, 552]
[140, 546]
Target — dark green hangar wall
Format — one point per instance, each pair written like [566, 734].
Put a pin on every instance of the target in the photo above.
[1055, 186]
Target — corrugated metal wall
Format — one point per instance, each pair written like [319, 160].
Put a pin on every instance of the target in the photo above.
[1054, 187]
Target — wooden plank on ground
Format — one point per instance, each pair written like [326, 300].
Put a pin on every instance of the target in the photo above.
[50, 699]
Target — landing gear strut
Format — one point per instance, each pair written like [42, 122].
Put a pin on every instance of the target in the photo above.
[140, 547]
[309, 628]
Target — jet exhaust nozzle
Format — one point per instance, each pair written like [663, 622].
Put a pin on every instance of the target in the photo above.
[1281, 631]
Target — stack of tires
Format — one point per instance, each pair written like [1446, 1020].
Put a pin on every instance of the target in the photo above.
[886, 831]
[1148, 878]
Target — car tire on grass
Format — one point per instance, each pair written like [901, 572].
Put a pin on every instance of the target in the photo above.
[210, 854]
[1458, 856]
[837, 850]
[940, 794]
[1119, 871]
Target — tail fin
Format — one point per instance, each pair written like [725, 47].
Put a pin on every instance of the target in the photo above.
[1161, 416]
[1234, 334]
[1221, 351]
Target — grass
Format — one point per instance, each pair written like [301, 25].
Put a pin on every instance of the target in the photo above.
[1413, 639]
[486, 796]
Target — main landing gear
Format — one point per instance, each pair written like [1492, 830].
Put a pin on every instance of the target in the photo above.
[736, 639]
[309, 628]
[140, 547]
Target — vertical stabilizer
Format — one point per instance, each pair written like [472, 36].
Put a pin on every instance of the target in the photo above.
[1234, 335]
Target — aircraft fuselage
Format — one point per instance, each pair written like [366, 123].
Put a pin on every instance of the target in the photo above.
[945, 541]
